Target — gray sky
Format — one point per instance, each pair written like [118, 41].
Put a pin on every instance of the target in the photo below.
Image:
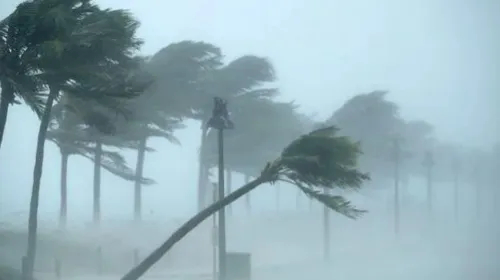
[439, 58]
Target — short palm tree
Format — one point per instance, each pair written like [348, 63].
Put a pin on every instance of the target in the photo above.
[314, 162]
[71, 136]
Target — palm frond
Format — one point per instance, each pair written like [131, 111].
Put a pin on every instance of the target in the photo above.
[319, 161]
[115, 164]
[336, 203]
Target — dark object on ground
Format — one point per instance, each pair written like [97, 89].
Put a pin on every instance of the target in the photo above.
[9, 273]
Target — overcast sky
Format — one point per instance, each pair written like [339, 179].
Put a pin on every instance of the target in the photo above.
[440, 59]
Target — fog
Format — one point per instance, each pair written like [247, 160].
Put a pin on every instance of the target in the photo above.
[440, 62]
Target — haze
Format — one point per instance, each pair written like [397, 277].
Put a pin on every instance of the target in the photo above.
[439, 60]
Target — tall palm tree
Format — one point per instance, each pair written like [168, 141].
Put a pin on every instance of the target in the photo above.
[17, 76]
[172, 97]
[241, 81]
[373, 120]
[147, 124]
[177, 70]
[314, 162]
[256, 121]
[83, 43]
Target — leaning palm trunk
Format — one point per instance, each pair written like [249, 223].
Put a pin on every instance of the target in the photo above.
[197, 219]
[248, 197]
[6, 97]
[96, 213]
[63, 208]
[311, 163]
[138, 186]
[29, 261]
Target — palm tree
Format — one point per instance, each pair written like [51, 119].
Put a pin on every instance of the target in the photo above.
[373, 120]
[314, 162]
[172, 96]
[177, 70]
[17, 76]
[67, 132]
[85, 44]
[279, 121]
[241, 82]
[145, 125]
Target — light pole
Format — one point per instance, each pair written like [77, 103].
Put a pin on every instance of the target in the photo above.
[220, 121]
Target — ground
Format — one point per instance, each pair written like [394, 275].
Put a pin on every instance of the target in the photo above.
[284, 245]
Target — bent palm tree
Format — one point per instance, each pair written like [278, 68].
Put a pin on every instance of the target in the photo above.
[179, 70]
[241, 82]
[17, 78]
[279, 121]
[314, 162]
[84, 42]
[67, 132]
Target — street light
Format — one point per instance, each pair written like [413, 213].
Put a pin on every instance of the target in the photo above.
[220, 121]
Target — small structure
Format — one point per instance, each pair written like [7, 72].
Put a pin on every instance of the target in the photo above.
[239, 266]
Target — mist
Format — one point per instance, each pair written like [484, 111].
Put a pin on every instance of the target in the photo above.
[439, 60]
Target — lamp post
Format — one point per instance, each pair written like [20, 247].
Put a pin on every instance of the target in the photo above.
[220, 121]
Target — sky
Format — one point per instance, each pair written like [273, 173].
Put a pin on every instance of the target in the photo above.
[438, 58]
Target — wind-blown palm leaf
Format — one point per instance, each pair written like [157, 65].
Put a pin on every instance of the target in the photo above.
[17, 77]
[335, 202]
[177, 70]
[321, 159]
[115, 164]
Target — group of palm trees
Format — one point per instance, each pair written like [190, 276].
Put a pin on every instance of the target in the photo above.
[77, 66]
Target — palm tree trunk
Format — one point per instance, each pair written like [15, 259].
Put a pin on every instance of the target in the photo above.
[478, 198]
[455, 196]
[429, 196]
[202, 172]
[63, 208]
[397, 180]
[187, 227]
[28, 263]
[96, 214]
[278, 196]
[138, 174]
[248, 197]
[229, 188]
[326, 230]
[298, 197]
[6, 97]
